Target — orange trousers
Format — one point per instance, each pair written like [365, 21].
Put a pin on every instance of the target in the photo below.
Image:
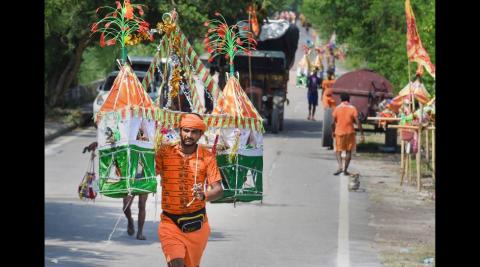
[177, 244]
[345, 142]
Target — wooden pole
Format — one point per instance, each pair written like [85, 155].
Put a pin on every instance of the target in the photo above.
[250, 58]
[383, 118]
[402, 162]
[427, 146]
[402, 148]
[433, 153]
[179, 102]
[409, 169]
[409, 78]
[403, 126]
[418, 158]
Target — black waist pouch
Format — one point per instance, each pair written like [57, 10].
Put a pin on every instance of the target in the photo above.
[189, 222]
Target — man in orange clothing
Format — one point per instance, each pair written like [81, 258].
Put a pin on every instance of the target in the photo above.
[343, 131]
[327, 94]
[127, 200]
[186, 169]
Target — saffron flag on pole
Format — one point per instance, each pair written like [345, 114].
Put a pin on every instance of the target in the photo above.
[415, 50]
[253, 19]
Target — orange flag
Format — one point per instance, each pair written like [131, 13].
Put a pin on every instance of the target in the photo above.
[253, 20]
[415, 50]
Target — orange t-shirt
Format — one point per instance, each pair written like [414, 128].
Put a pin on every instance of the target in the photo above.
[344, 116]
[327, 96]
[177, 173]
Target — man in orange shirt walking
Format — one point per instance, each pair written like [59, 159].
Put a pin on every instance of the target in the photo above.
[345, 116]
[327, 94]
[186, 169]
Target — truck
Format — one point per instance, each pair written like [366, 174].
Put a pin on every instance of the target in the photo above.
[367, 89]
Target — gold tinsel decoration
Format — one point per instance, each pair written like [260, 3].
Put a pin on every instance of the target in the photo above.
[166, 28]
[175, 82]
[136, 38]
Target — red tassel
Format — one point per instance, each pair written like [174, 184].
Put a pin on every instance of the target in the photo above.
[91, 194]
[214, 148]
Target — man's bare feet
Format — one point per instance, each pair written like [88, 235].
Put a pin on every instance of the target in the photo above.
[141, 237]
[130, 227]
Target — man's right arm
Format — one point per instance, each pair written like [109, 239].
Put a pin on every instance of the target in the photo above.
[359, 125]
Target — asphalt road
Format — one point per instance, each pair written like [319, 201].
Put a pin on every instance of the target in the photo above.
[307, 218]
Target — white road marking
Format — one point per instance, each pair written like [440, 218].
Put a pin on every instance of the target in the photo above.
[271, 168]
[343, 251]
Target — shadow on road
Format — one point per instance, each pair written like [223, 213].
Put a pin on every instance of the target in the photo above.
[218, 236]
[89, 222]
[379, 148]
[299, 128]
[75, 258]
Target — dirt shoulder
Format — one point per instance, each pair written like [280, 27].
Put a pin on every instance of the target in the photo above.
[404, 218]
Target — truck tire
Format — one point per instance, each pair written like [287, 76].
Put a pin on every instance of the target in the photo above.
[391, 137]
[275, 120]
[327, 140]
[281, 122]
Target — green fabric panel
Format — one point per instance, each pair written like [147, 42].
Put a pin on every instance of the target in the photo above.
[230, 182]
[119, 154]
[122, 160]
[104, 163]
[148, 161]
[137, 186]
[119, 189]
[134, 157]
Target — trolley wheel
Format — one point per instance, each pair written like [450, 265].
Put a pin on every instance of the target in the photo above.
[275, 120]
[327, 139]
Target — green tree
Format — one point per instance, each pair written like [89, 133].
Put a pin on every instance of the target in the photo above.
[73, 55]
[67, 36]
[375, 31]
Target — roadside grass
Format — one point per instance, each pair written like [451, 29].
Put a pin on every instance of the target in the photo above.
[64, 115]
[413, 258]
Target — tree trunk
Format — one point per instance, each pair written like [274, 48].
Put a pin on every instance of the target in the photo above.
[70, 71]
[57, 97]
[51, 86]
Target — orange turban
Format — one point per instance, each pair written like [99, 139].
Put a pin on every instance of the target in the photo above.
[192, 121]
